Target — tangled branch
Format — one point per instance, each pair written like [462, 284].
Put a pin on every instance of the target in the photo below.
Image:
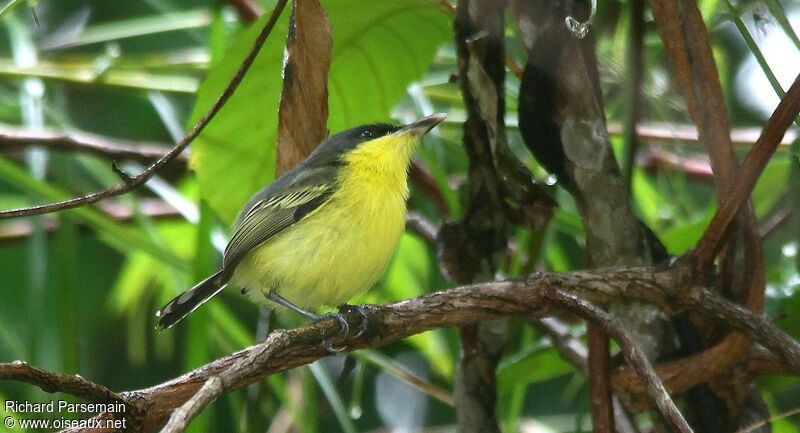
[538, 294]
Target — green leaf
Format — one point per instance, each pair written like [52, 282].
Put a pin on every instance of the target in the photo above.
[379, 48]
[8, 7]
[124, 239]
[85, 73]
[135, 27]
[411, 274]
[771, 185]
[680, 239]
[323, 378]
[537, 365]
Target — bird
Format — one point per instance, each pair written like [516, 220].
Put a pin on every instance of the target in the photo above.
[323, 232]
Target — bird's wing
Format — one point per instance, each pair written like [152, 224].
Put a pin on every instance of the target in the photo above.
[271, 211]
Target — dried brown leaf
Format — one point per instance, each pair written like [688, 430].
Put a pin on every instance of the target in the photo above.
[303, 111]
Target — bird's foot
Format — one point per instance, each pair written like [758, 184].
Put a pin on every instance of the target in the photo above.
[363, 323]
[345, 326]
[344, 330]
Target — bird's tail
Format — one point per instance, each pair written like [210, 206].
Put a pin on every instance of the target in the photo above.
[188, 301]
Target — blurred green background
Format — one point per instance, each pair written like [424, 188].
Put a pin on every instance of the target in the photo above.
[79, 288]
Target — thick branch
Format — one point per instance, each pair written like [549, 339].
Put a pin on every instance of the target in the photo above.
[720, 311]
[286, 349]
[55, 382]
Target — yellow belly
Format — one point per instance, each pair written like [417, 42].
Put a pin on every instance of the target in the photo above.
[331, 256]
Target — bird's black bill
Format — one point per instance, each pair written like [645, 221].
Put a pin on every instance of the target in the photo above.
[422, 126]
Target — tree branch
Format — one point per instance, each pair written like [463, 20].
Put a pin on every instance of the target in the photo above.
[754, 325]
[210, 391]
[142, 177]
[568, 346]
[536, 294]
[153, 208]
[12, 137]
[248, 10]
[71, 140]
[419, 225]
[754, 163]
[632, 353]
[54, 382]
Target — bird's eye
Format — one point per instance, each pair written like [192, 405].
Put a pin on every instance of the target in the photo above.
[366, 134]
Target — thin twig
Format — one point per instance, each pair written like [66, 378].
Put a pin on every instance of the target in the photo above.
[758, 425]
[599, 367]
[181, 417]
[141, 178]
[775, 221]
[248, 10]
[15, 136]
[671, 132]
[635, 357]
[420, 226]
[573, 351]
[399, 371]
[152, 208]
[12, 137]
[754, 163]
[567, 345]
[655, 158]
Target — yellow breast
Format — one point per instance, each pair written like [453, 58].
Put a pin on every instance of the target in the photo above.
[340, 250]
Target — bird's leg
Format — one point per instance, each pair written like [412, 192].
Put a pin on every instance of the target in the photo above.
[280, 300]
[364, 324]
[344, 326]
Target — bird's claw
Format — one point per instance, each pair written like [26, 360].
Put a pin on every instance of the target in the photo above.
[328, 345]
[363, 324]
[344, 326]
[344, 329]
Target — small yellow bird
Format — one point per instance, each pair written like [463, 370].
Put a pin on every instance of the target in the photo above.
[323, 232]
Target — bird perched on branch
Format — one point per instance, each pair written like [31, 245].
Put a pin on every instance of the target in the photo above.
[323, 232]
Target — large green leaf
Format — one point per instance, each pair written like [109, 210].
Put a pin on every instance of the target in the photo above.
[378, 49]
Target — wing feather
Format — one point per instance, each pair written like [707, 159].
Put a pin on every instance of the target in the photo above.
[268, 216]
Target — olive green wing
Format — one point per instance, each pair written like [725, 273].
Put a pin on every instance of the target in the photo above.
[274, 209]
